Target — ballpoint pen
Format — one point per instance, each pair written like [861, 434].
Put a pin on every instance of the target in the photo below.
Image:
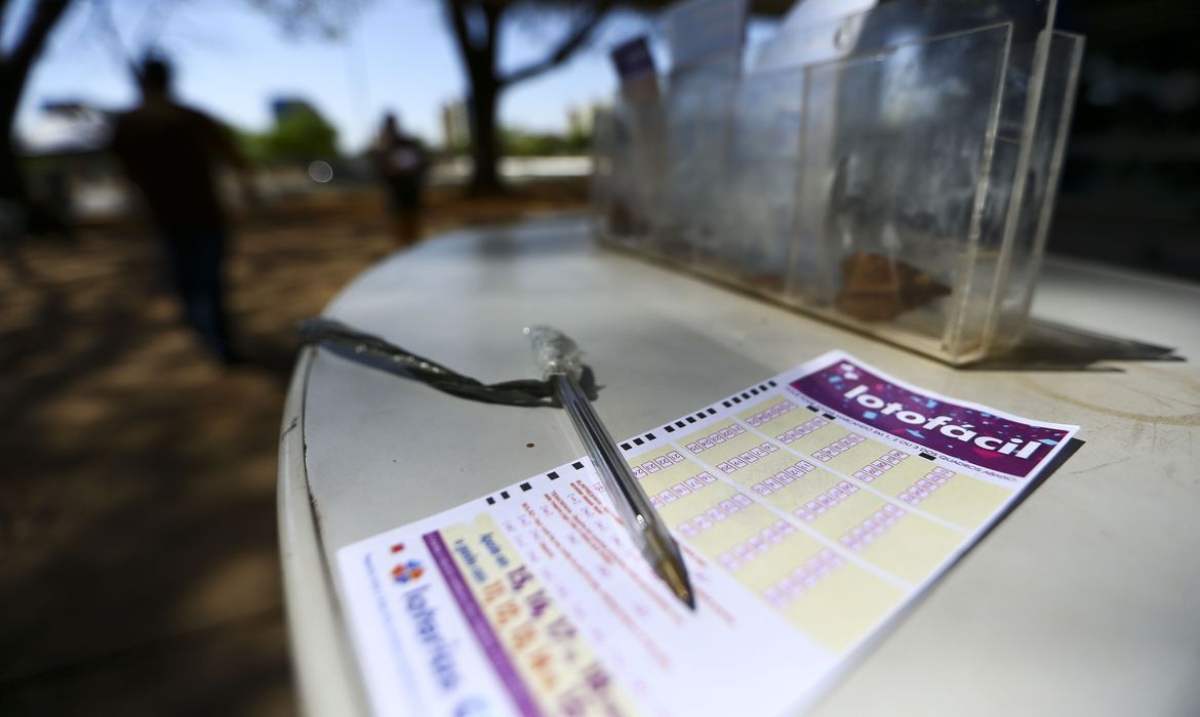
[561, 362]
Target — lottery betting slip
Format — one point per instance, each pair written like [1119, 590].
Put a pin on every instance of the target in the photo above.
[810, 509]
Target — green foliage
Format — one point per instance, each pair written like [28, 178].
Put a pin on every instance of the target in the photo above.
[301, 135]
[253, 146]
[458, 149]
[578, 142]
[519, 143]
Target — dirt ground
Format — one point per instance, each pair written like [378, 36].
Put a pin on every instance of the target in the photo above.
[139, 570]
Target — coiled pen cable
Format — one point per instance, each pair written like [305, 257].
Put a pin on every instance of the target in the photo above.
[377, 353]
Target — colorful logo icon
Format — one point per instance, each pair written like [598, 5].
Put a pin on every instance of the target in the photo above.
[408, 571]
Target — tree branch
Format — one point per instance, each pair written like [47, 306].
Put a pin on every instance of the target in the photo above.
[45, 15]
[462, 33]
[491, 28]
[322, 19]
[458, 23]
[152, 24]
[576, 38]
[102, 20]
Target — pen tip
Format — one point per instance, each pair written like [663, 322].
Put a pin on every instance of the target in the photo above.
[675, 576]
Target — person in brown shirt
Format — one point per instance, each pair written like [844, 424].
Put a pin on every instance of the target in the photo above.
[170, 152]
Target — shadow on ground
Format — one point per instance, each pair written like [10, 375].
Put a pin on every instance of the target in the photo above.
[139, 570]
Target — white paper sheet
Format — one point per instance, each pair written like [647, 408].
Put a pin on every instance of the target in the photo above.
[811, 508]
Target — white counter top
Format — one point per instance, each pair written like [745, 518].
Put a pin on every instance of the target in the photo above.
[1083, 601]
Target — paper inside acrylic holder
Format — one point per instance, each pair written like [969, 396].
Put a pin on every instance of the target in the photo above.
[892, 170]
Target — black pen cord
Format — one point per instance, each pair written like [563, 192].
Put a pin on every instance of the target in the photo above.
[377, 353]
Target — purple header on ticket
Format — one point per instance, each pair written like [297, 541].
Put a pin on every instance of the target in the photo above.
[489, 642]
[998, 444]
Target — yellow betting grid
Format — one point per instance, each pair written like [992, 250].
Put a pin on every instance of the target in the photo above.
[810, 509]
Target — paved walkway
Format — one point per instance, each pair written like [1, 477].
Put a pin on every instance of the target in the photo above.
[138, 551]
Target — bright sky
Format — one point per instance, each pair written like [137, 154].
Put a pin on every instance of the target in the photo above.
[232, 61]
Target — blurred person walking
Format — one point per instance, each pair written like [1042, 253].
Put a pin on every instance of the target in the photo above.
[169, 151]
[401, 162]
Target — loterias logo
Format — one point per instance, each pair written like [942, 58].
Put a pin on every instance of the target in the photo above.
[407, 571]
[440, 652]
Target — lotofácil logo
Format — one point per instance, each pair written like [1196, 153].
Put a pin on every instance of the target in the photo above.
[945, 425]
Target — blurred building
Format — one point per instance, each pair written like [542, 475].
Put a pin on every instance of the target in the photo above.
[581, 120]
[456, 125]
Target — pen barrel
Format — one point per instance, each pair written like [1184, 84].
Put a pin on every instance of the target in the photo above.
[628, 498]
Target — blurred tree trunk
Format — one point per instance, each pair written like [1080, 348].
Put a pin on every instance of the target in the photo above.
[476, 25]
[12, 184]
[485, 138]
[17, 60]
